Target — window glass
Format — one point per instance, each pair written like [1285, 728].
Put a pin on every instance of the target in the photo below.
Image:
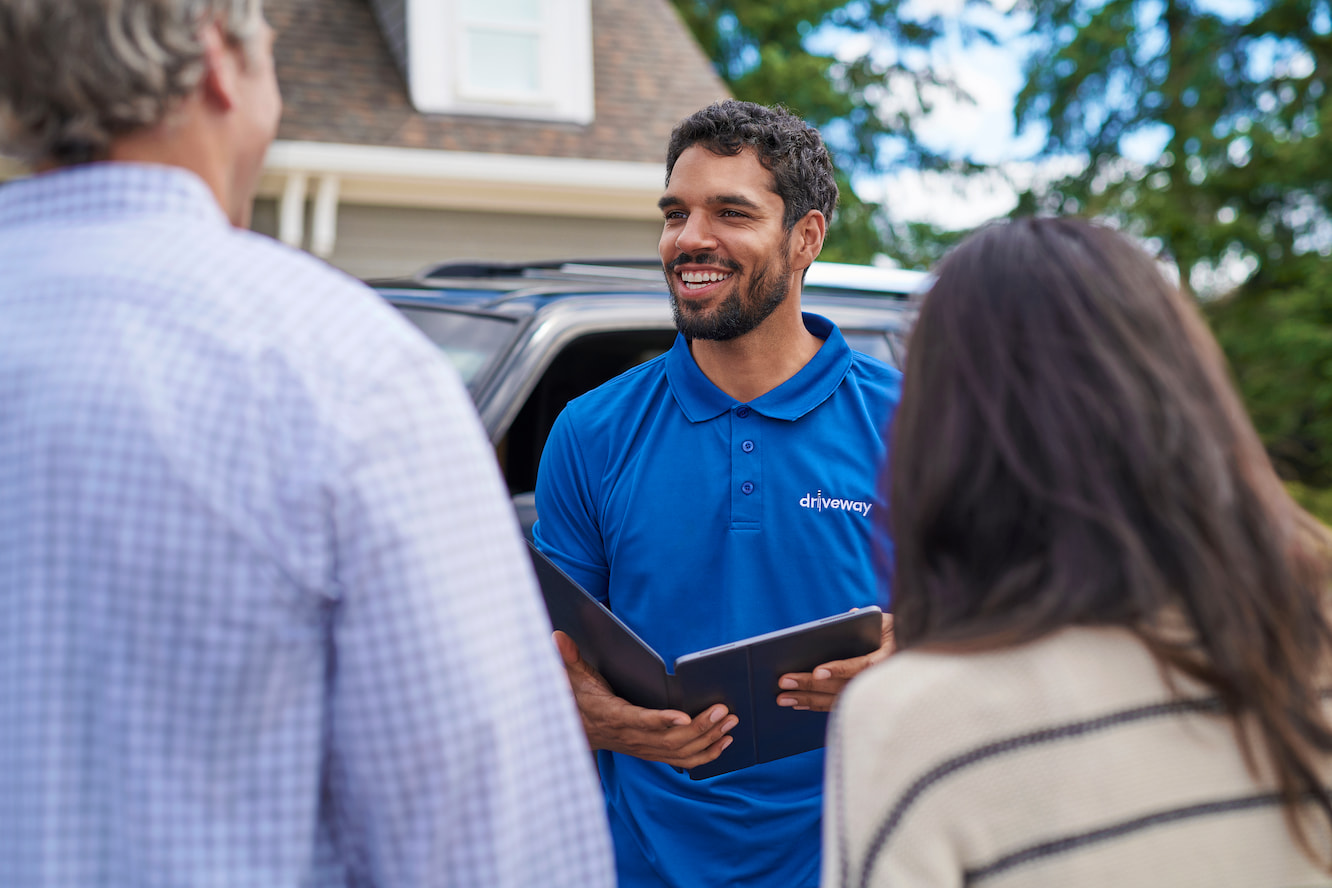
[471, 342]
[872, 343]
[525, 11]
[503, 62]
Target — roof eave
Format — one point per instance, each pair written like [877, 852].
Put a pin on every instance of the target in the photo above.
[410, 177]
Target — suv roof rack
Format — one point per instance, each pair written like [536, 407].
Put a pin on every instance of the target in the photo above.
[824, 275]
[468, 268]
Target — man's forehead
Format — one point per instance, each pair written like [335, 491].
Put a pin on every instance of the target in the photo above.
[740, 174]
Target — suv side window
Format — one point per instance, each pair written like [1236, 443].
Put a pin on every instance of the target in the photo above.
[872, 343]
[582, 366]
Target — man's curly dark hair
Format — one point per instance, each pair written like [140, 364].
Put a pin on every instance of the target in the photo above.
[789, 148]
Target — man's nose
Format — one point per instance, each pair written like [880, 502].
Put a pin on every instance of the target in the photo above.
[696, 235]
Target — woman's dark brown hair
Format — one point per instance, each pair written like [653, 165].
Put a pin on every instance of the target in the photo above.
[1069, 450]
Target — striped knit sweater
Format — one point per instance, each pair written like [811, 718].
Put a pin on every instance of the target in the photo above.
[1067, 762]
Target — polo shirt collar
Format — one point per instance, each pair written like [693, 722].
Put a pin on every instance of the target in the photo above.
[700, 400]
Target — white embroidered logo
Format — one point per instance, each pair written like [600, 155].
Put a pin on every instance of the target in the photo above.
[819, 502]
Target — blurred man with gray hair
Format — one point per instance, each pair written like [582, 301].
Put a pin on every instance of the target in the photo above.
[267, 615]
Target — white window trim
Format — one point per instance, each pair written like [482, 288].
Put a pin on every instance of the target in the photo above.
[435, 65]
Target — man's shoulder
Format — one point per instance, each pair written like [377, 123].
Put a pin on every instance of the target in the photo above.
[266, 260]
[627, 389]
[872, 368]
[256, 296]
[863, 369]
[599, 421]
[874, 379]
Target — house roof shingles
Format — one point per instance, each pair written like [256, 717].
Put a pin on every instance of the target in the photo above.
[340, 84]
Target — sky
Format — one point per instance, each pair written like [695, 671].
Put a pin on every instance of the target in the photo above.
[983, 127]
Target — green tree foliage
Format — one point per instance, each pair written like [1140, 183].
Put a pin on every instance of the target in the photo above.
[1204, 129]
[1236, 107]
[1279, 343]
[865, 103]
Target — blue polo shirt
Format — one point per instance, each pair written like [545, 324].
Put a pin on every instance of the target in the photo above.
[700, 520]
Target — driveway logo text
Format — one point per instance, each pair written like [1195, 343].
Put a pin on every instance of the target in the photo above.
[819, 502]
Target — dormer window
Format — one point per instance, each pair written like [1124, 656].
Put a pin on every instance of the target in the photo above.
[502, 58]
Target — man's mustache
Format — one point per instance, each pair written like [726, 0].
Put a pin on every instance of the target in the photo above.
[702, 259]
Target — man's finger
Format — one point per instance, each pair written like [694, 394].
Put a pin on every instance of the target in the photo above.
[714, 722]
[846, 670]
[843, 670]
[709, 738]
[707, 755]
[703, 733]
[568, 650]
[887, 637]
[817, 702]
[838, 671]
[673, 719]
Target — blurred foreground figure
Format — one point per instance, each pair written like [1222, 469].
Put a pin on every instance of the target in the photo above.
[267, 617]
[1112, 618]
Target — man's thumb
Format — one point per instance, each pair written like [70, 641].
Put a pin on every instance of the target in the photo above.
[568, 650]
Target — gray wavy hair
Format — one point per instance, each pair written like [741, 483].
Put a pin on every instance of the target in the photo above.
[75, 74]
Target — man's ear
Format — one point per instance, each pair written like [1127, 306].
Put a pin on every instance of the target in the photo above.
[221, 61]
[807, 239]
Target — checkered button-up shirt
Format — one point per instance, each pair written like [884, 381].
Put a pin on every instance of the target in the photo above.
[265, 616]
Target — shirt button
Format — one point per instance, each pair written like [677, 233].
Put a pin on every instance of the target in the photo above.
[747, 488]
[747, 447]
[742, 412]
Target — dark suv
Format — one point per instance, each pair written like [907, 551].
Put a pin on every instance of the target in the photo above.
[528, 337]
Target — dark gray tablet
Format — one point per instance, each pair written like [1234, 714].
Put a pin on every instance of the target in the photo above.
[633, 670]
[742, 674]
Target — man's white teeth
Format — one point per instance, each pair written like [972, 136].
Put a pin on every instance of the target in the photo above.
[703, 277]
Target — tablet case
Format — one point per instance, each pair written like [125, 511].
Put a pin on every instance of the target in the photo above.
[743, 674]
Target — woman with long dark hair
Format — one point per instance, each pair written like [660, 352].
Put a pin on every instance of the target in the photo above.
[1112, 620]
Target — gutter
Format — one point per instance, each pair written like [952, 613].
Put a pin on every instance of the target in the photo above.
[333, 174]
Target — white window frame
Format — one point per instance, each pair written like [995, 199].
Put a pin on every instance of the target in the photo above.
[437, 59]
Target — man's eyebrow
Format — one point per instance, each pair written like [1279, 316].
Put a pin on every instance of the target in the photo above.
[717, 200]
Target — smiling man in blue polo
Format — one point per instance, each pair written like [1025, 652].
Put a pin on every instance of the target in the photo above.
[723, 490]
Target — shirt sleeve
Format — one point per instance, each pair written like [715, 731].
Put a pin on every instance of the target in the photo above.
[567, 529]
[456, 756]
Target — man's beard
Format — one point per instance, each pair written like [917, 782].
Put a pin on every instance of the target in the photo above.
[739, 313]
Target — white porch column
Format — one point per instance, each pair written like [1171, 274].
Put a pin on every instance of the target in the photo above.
[291, 210]
[324, 225]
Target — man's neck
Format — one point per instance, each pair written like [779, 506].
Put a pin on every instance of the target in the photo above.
[186, 140]
[754, 364]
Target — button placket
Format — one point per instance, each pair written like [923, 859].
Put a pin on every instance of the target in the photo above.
[746, 467]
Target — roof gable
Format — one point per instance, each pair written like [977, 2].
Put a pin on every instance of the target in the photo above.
[340, 65]
[392, 18]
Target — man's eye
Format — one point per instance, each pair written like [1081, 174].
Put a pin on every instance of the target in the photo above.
[674, 214]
